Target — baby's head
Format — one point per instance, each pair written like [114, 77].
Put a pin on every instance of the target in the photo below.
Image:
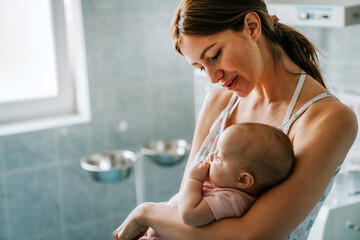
[251, 157]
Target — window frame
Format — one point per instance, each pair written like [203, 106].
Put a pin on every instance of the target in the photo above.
[72, 106]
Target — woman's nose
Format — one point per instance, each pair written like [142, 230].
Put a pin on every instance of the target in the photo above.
[215, 76]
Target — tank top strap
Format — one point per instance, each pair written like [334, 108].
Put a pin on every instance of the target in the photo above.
[234, 105]
[286, 126]
[210, 142]
[234, 101]
[295, 97]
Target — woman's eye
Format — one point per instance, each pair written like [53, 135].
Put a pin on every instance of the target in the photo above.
[202, 69]
[216, 56]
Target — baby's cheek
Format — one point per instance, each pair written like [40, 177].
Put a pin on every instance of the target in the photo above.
[211, 173]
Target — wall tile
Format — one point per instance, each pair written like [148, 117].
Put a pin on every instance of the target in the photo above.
[41, 236]
[33, 203]
[163, 61]
[123, 50]
[173, 109]
[71, 144]
[112, 8]
[2, 160]
[162, 182]
[122, 196]
[93, 53]
[169, 180]
[156, 6]
[3, 215]
[98, 230]
[97, 108]
[88, 9]
[77, 141]
[130, 106]
[28, 150]
[83, 198]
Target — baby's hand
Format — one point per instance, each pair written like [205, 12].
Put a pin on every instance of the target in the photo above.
[200, 171]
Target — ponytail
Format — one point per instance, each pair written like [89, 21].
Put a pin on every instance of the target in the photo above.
[300, 50]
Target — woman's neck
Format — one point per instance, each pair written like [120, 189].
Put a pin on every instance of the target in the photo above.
[278, 81]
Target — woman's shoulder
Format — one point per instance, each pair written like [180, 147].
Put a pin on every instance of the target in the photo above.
[218, 98]
[215, 102]
[331, 109]
[340, 115]
[330, 122]
[325, 114]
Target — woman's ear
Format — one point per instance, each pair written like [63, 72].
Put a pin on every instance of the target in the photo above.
[245, 180]
[252, 23]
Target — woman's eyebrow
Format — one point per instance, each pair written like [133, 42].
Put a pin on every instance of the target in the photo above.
[205, 50]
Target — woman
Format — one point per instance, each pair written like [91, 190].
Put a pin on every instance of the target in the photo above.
[267, 71]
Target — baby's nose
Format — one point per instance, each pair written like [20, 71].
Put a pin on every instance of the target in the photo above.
[211, 158]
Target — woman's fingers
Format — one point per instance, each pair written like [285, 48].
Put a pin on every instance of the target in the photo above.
[132, 227]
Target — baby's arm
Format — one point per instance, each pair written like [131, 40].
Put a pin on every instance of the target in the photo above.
[193, 209]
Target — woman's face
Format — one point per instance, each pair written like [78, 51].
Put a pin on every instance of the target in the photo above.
[230, 58]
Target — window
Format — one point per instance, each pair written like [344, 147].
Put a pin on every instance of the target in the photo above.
[43, 76]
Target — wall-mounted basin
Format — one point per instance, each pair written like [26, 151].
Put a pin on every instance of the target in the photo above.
[109, 166]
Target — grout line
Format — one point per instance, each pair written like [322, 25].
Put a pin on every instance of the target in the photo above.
[18, 171]
[109, 201]
[88, 223]
[44, 166]
[2, 162]
[6, 206]
[40, 235]
[60, 190]
[149, 83]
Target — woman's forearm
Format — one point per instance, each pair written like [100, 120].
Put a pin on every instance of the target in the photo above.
[169, 227]
[172, 227]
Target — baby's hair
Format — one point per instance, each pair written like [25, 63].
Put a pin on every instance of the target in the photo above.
[270, 159]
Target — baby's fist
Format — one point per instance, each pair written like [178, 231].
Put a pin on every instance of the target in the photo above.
[199, 171]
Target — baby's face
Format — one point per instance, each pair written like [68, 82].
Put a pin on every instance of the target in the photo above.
[224, 170]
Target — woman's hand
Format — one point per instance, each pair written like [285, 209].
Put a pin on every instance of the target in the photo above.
[134, 225]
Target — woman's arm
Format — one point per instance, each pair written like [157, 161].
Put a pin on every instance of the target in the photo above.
[321, 143]
[193, 209]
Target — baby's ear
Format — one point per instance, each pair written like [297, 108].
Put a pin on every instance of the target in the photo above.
[245, 180]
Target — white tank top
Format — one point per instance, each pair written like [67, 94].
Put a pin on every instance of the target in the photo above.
[210, 142]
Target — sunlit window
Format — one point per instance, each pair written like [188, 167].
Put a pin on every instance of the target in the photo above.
[27, 49]
[43, 80]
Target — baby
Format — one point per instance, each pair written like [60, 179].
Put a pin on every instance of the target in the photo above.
[250, 158]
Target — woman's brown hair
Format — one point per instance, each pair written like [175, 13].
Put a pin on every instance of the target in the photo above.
[207, 17]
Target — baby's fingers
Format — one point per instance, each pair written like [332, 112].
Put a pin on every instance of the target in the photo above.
[204, 165]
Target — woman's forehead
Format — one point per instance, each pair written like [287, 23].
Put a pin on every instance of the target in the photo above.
[203, 40]
[195, 44]
[192, 46]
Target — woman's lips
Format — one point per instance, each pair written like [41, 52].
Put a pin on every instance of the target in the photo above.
[230, 85]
